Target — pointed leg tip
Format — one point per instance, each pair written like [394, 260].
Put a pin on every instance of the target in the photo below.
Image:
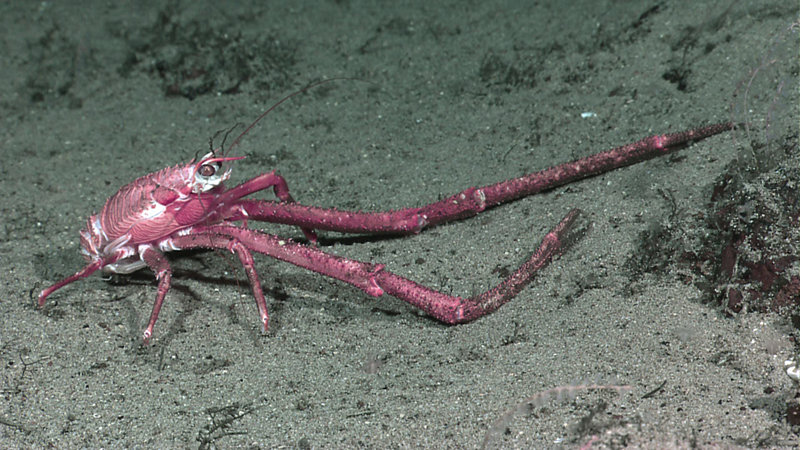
[148, 333]
[42, 298]
[264, 324]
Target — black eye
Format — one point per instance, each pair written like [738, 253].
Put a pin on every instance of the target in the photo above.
[207, 170]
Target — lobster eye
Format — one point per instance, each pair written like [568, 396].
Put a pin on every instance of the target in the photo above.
[208, 170]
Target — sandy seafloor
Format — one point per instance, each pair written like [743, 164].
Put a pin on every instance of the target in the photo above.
[459, 94]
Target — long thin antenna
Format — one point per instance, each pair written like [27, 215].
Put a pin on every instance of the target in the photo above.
[278, 103]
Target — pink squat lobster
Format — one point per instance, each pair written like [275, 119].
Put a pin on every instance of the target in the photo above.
[187, 206]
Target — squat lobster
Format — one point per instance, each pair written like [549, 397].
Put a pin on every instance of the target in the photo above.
[187, 206]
